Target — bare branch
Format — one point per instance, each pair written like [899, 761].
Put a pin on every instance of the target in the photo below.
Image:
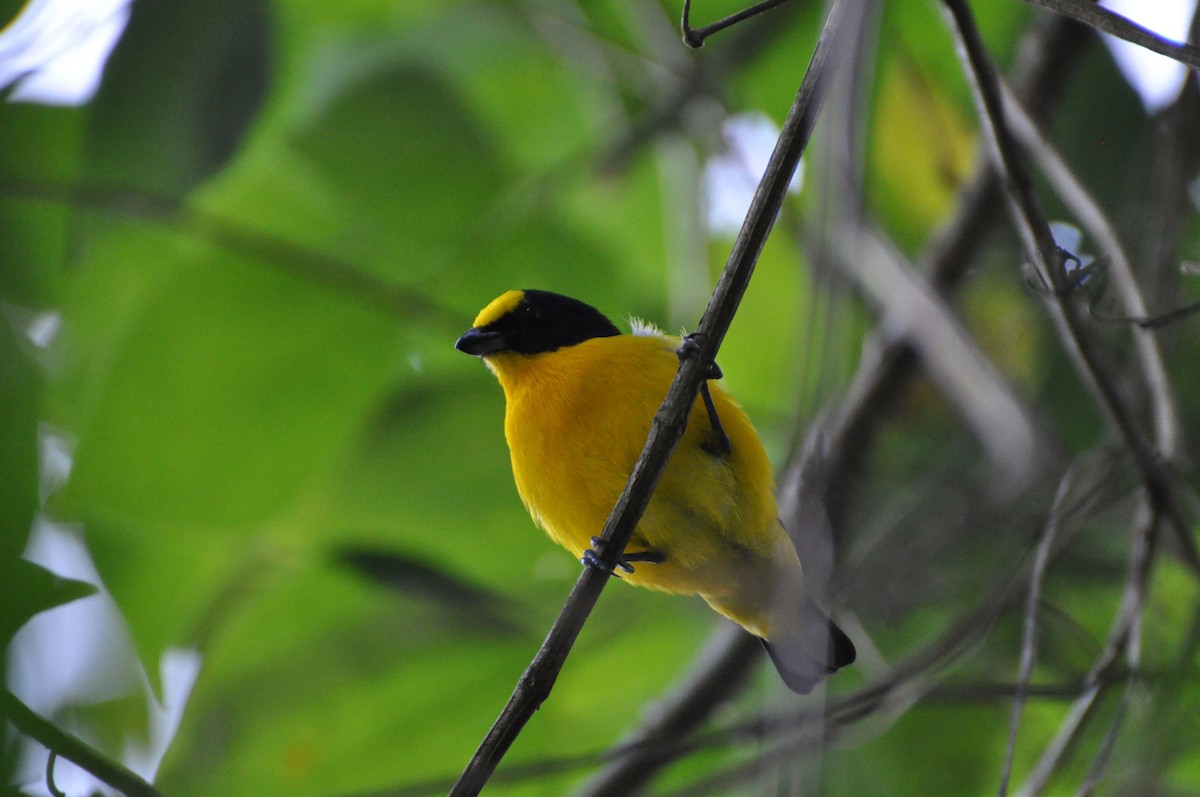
[1106, 21]
[911, 310]
[694, 37]
[1100, 764]
[726, 661]
[838, 440]
[1153, 322]
[1047, 258]
[538, 680]
[1093, 219]
[1124, 637]
[1041, 561]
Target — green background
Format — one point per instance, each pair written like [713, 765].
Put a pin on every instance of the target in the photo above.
[264, 235]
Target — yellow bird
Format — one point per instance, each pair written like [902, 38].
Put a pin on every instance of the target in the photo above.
[580, 397]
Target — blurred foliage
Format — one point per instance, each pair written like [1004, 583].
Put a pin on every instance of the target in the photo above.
[262, 238]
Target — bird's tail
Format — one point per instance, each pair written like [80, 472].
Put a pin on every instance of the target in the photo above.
[805, 652]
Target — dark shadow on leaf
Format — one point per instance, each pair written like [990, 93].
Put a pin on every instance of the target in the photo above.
[476, 608]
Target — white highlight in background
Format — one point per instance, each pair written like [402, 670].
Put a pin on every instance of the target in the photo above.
[55, 50]
[81, 653]
[731, 177]
[1156, 78]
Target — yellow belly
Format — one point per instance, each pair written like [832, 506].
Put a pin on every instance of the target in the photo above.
[576, 422]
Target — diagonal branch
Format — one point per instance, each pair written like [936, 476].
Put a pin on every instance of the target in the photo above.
[75, 750]
[1158, 496]
[1029, 647]
[1106, 21]
[1046, 258]
[835, 444]
[1091, 216]
[910, 309]
[836, 439]
[538, 679]
[694, 37]
[1124, 636]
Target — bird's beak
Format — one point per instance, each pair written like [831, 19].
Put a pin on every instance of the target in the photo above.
[480, 341]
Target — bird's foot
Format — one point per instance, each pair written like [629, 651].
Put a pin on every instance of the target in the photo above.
[718, 445]
[690, 348]
[592, 559]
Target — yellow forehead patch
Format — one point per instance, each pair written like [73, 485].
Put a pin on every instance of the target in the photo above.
[499, 307]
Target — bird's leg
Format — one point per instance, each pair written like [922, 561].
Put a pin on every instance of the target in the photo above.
[592, 559]
[719, 445]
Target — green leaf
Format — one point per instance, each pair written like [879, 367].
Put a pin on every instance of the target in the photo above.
[39, 158]
[181, 88]
[258, 378]
[20, 392]
[394, 138]
[27, 589]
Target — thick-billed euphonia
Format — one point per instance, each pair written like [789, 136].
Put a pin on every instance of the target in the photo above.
[580, 397]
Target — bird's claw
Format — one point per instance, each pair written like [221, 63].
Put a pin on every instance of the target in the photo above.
[593, 559]
[690, 347]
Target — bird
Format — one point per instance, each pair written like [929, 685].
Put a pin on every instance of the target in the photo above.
[580, 398]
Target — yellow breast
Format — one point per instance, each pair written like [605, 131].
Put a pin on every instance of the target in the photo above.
[576, 420]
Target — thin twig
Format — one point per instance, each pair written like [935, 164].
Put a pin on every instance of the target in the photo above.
[1124, 636]
[1166, 421]
[842, 436]
[72, 748]
[1152, 322]
[1106, 21]
[1100, 764]
[536, 683]
[957, 366]
[1141, 562]
[1091, 216]
[1049, 51]
[1046, 257]
[1033, 599]
[694, 37]
[725, 663]
[666, 112]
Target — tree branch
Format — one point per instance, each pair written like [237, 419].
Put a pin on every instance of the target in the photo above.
[1091, 216]
[1106, 21]
[1046, 258]
[1124, 637]
[694, 37]
[724, 664]
[1048, 53]
[1157, 497]
[536, 683]
[1037, 576]
[840, 438]
[909, 308]
[72, 748]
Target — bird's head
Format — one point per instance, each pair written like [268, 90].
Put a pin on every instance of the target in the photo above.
[533, 322]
